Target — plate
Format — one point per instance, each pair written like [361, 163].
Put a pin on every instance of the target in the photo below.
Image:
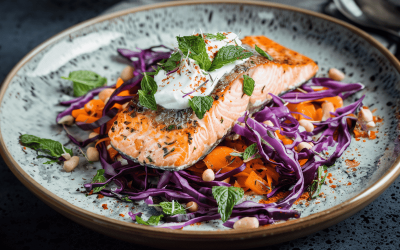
[31, 93]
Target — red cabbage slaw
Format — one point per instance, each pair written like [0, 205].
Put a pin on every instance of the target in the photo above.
[183, 187]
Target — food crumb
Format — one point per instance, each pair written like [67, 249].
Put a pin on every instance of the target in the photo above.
[122, 215]
[100, 196]
[104, 206]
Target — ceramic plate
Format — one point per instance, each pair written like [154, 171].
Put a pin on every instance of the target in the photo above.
[32, 91]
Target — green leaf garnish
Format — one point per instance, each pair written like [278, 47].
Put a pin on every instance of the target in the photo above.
[126, 199]
[147, 100]
[148, 84]
[218, 36]
[50, 147]
[250, 151]
[152, 221]
[99, 178]
[317, 184]
[226, 198]
[172, 62]
[171, 208]
[201, 104]
[196, 47]
[248, 85]
[263, 53]
[84, 81]
[229, 54]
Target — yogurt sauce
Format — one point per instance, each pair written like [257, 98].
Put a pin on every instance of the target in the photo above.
[173, 87]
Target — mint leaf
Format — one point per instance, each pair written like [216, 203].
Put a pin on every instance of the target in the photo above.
[172, 62]
[228, 54]
[226, 198]
[197, 48]
[201, 104]
[47, 146]
[148, 84]
[147, 100]
[263, 53]
[238, 154]
[99, 178]
[84, 81]
[152, 221]
[250, 151]
[155, 72]
[248, 85]
[171, 208]
[218, 36]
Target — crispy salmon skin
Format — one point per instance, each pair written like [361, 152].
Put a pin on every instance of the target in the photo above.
[176, 139]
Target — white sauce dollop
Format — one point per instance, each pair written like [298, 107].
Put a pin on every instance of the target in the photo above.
[172, 87]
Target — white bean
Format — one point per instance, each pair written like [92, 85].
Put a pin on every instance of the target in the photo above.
[67, 120]
[303, 145]
[192, 206]
[66, 156]
[92, 154]
[366, 115]
[71, 164]
[246, 223]
[336, 74]
[327, 107]
[208, 175]
[309, 127]
[122, 160]
[127, 73]
[105, 94]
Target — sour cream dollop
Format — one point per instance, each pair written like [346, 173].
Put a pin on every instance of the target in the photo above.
[173, 87]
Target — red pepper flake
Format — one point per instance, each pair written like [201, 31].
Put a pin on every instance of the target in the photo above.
[349, 184]
[333, 186]
[352, 163]
[91, 192]
[24, 148]
[100, 196]
[327, 153]
[104, 206]
[122, 215]
[364, 140]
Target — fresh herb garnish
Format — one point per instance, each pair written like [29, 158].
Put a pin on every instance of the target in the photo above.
[196, 47]
[218, 36]
[152, 221]
[126, 199]
[201, 104]
[84, 81]
[147, 100]
[263, 53]
[250, 151]
[172, 62]
[226, 198]
[52, 148]
[317, 184]
[99, 178]
[229, 54]
[248, 85]
[171, 208]
[148, 84]
[170, 127]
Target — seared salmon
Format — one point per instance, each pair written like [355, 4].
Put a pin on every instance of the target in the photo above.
[176, 139]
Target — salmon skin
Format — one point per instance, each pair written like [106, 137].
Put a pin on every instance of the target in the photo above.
[176, 139]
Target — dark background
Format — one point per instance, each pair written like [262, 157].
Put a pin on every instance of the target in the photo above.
[27, 223]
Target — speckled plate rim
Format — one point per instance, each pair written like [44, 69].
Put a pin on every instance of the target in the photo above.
[279, 232]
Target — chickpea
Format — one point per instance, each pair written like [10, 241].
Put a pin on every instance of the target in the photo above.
[246, 223]
[127, 73]
[327, 107]
[366, 115]
[208, 175]
[309, 127]
[67, 120]
[303, 145]
[105, 94]
[93, 134]
[336, 74]
[66, 156]
[71, 164]
[192, 206]
[268, 123]
[92, 154]
[233, 137]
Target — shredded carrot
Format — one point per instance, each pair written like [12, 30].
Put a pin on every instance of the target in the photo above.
[76, 112]
[258, 184]
[238, 145]
[221, 157]
[119, 82]
[107, 139]
[94, 107]
[86, 118]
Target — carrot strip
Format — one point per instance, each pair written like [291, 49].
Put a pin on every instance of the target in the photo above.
[107, 139]
[258, 184]
[220, 158]
[76, 112]
[238, 145]
[86, 118]
[119, 82]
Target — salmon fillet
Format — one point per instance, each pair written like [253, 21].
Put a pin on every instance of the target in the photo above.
[176, 139]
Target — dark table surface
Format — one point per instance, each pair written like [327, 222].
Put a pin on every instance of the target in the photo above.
[27, 223]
